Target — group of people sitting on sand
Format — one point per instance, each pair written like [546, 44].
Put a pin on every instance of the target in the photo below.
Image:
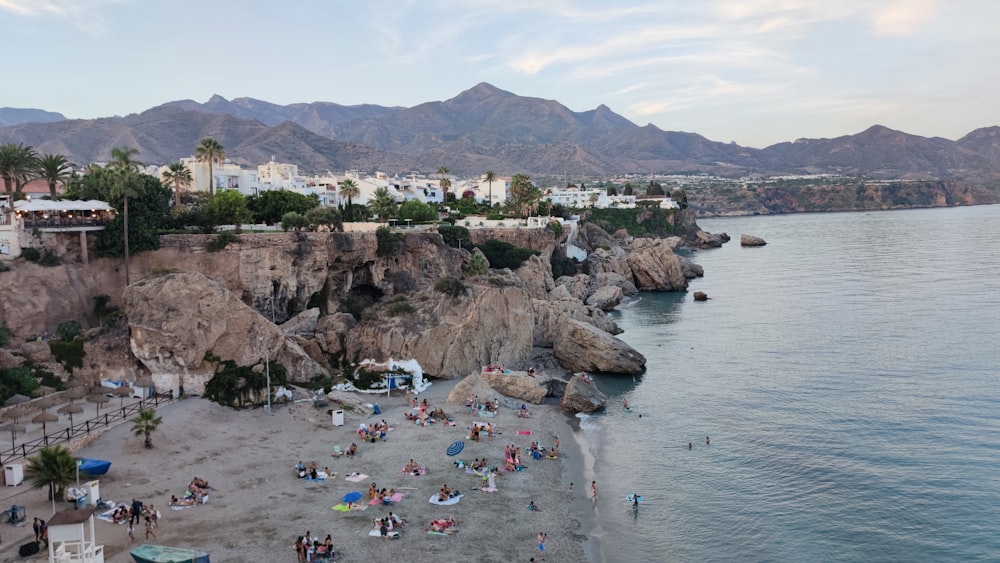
[446, 493]
[309, 548]
[196, 493]
[123, 513]
[443, 525]
[391, 522]
[479, 465]
[383, 495]
[512, 457]
[413, 468]
[473, 404]
[494, 368]
[373, 433]
[312, 471]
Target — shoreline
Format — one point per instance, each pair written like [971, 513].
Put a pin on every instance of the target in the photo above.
[259, 506]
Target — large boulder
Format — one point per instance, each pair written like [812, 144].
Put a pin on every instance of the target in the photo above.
[550, 317]
[751, 240]
[703, 239]
[451, 336]
[582, 347]
[582, 396]
[610, 278]
[576, 286]
[303, 324]
[182, 324]
[518, 385]
[331, 332]
[472, 385]
[536, 276]
[605, 298]
[690, 269]
[654, 266]
[611, 259]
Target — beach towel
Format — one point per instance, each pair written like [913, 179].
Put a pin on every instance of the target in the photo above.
[437, 533]
[449, 502]
[344, 508]
[489, 489]
[377, 533]
[356, 477]
[396, 497]
[107, 517]
[319, 478]
[181, 507]
[524, 432]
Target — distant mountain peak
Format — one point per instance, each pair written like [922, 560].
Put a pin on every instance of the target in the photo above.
[217, 99]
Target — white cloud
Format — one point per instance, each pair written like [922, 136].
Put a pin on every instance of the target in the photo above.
[82, 14]
[901, 18]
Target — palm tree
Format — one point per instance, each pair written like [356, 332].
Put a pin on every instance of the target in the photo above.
[144, 424]
[17, 162]
[382, 203]
[177, 176]
[209, 150]
[125, 185]
[54, 168]
[349, 189]
[489, 176]
[444, 182]
[53, 467]
[122, 157]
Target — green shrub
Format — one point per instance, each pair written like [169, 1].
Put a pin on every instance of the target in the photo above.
[455, 237]
[556, 227]
[495, 216]
[478, 265]
[31, 254]
[221, 241]
[389, 243]
[69, 330]
[397, 309]
[4, 267]
[69, 353]
[107, 314]
[562, 265]
[366, 379]
[5, 335]
[49, 259]
[502, 254]
[450, 286]
[16, 380]
[236, 386]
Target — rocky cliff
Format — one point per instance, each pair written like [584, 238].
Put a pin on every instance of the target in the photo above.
[189, 308]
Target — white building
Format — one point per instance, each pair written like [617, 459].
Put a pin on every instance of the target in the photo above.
[575, 198]
[225, 176]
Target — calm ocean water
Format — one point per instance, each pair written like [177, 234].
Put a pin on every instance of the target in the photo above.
[848, 374]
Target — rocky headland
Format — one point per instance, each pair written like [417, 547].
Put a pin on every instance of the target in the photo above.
[335, 299]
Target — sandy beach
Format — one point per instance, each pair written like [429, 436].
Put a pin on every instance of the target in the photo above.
[258, 506]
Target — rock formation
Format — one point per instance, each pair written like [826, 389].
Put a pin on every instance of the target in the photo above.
[751, 240]
[181, 322]
[582, 396]
[582, 347]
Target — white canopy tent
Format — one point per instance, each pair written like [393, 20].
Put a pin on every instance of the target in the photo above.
[65, 205]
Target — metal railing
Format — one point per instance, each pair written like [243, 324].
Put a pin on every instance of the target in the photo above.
[102, 422]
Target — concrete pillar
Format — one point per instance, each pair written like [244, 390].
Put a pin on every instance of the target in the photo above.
[83, 247]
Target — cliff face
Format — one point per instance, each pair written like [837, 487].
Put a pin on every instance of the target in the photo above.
[187, 307]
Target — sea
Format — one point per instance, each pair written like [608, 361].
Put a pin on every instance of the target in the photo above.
[847, 375]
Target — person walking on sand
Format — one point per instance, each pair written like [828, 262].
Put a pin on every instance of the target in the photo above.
[593, 490]
[569, 490]
[131, 532]
[542, 536]
[149, 528]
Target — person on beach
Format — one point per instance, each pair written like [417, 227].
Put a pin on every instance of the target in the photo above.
[384, 530]
[136, 511]
[149, 528]
[593, 490]
[689, 445]
[707, 441]
[131, 532]
[300, 549]
[569, 491]
[626, 404]
[532, 507]
[542, 536]
[635, 501]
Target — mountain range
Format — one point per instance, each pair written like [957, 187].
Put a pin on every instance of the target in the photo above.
[486, 128]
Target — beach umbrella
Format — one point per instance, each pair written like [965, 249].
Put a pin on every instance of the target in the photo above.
[77, 392]
[14, 429]
[47, 401]
[70, 409]
[123, 392]
[16, 399]
[456, 447]
[145, 381]
[99, 398]
[352, 497]
[45, 417]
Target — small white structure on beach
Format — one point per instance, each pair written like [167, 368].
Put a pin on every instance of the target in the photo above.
[393, 376]
[72, 538]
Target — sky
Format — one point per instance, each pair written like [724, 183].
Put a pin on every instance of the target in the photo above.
[756, 72]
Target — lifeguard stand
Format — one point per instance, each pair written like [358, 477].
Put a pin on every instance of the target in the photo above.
[72, 538]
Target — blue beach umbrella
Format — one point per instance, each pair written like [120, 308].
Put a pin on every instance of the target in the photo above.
[456, 447]
[352, 497]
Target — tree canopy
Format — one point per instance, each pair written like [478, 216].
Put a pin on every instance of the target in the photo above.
[269, 206]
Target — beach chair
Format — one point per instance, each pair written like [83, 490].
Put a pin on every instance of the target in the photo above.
[337, 452]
